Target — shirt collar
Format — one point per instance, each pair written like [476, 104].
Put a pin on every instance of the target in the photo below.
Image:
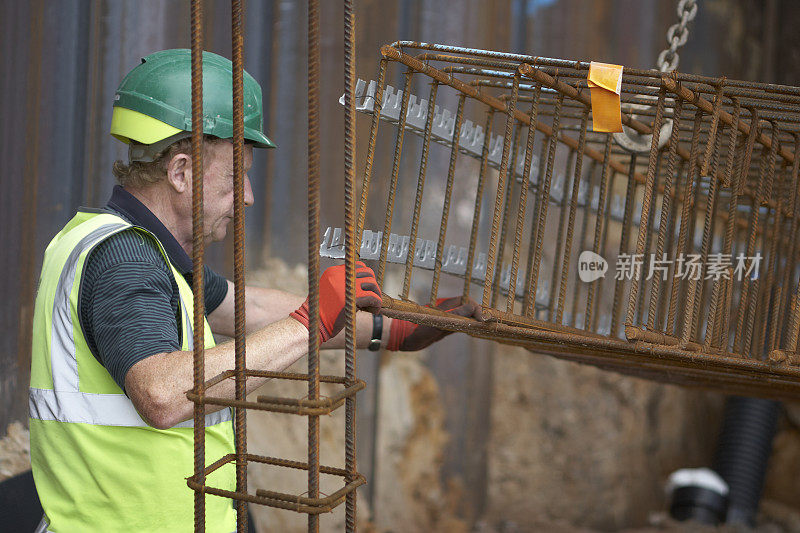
[138, 214]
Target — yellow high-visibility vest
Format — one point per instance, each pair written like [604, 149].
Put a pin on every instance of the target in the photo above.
[97, 465]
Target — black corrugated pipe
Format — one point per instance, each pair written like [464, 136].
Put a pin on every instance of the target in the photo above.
[731, 492]
[743, 451]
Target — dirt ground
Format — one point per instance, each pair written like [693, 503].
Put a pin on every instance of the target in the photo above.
[592, 449]
[15, 454]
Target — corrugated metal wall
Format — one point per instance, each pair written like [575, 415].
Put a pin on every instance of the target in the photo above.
[61, 62]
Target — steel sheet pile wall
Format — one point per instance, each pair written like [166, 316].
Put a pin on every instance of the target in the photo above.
[700, 224]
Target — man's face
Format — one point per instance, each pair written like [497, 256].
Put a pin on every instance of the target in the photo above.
[218, 189]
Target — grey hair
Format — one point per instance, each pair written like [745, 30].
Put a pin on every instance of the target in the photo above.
[138, 174]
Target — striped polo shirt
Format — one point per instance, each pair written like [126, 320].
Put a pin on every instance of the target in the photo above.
[129, 305]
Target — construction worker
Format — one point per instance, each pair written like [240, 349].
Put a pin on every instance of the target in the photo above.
[110, 425]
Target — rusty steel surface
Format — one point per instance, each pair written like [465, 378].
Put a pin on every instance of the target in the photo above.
[313, 256]
[281, 500]
[299, 406]
[198, 249]
[240, 418]
[350, 259]
[698, 228]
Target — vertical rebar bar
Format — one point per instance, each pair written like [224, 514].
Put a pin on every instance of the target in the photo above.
[690, 289]
[198, 250]
[576, 291]
[398, 151]
[712, 329]
[712, 132]
[423, 165]
[685, 236]
[712, 154]
[240, 363]
[741, 178]
[448, 193]
[791, 258]
[604, 246]
[544, 200]
[735, 291]
[562, 222]
[493, 255]
[476, 212]
[764, 195]
[627, 223]
[527, 306]
[600, 216]
[664, 298]
[647, 200]
[750, 292]
[694, 304]
[313, 252]
[762, 298]
[573, 207]
[505, 219]
[794, 321]
[523, 200]
[370, 155]
[666, 209]
[794, 309]
[772, 291]
[350, 259]
[648, 244]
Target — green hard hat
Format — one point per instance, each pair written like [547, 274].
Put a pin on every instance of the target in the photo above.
[154, 101]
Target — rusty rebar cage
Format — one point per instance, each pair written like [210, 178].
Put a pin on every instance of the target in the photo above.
[698, 212]
[708, 177]
[313, 405]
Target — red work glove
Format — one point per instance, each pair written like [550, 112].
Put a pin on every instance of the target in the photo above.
[331, 299]
[407, 336]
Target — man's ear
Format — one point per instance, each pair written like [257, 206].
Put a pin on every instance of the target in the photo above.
[179, 172]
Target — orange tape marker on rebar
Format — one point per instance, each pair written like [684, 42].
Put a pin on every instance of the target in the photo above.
[605, 84]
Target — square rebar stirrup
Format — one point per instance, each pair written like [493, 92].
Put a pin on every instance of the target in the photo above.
[668, 251]
[311, 407]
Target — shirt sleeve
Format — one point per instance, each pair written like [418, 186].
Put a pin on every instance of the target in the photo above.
[132, 316]
[216, 287]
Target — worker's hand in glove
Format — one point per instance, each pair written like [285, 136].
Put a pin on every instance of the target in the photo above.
[408, 337]
[331, 299]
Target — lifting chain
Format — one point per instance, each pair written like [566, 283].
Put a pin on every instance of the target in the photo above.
[677, 35]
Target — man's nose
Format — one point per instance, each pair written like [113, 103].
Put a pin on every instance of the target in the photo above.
[248, 191]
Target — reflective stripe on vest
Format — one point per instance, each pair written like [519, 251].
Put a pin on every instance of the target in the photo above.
[65, 402]
[63, 359]
[97, 409]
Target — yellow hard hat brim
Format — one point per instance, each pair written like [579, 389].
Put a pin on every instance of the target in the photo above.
[128, 125]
